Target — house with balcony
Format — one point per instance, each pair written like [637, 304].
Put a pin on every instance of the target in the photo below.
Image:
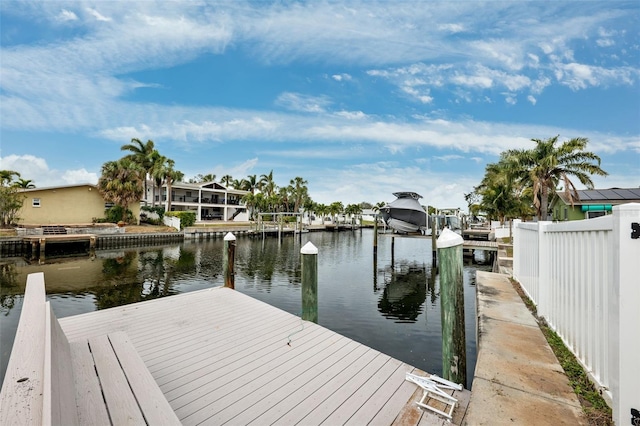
[591, 203]
[210, 200]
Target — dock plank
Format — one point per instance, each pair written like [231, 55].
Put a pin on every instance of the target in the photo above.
[89, 401]
[352, 404]
[121, 403]
[221, 356]
[322, 397]
[303, 395]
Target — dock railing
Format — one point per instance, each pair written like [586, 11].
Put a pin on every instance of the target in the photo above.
[582, 276]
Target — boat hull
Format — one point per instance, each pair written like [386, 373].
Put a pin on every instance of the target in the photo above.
[405, 214]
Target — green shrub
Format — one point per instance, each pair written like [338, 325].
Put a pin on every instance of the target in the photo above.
[117, 214]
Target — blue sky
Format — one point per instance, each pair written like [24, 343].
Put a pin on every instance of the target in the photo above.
[362, 99]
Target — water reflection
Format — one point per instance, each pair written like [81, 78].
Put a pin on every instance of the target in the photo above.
[384, 307]
[404, 293]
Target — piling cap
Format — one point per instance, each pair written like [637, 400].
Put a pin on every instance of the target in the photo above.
[229, 237]
[448, 238]
[309, 248]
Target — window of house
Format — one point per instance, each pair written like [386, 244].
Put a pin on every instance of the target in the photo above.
[566, 213]
[598, 213]
[35, 202]
[188, 193]
[107, 206]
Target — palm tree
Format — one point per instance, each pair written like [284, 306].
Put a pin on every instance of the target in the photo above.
[336, 208]
[141, 153]
[226, 180]
[171, 175]
[251, 183]
[6, 176]
[156, 173]
[544, 166]
[267, 185]
[121, 182]
[24, 184]
[299, 192]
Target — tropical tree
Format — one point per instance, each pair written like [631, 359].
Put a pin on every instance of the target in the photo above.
[171, 175]
[157, 174]
[24, 184]
[547, 164]
[6, 177]
[335, 209]
[353, 210]
[321, 210]
[226, 180]
[266, 184]
[299, 191]
[143, 155]
[250, 184]
[199, 178]
[501, 193]
[10, 198]
[121, 182]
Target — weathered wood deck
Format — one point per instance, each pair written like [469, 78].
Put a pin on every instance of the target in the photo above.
[221, 357]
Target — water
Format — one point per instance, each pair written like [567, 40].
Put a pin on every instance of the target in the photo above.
[392, 306]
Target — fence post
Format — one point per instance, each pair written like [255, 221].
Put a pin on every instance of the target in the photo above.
[624, 316]
[454, 350]
[517, 249]
[228, 258]
[544, 284]
[309, 254]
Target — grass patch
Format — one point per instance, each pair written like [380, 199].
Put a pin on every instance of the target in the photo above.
[595, 408]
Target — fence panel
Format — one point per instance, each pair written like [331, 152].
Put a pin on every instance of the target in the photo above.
[582, 275]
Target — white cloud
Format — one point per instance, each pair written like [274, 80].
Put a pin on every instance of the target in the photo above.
[341, 77]
[67, 15]
[581, 76]
[532, 99]
[605, 42]
[98, 15]
[452, 28]
[37, 170]
[304, 103]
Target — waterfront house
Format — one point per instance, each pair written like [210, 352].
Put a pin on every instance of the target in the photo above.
[63, 205]
[591, 203]
[210, 200]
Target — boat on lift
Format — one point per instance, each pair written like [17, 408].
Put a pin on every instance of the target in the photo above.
[405, 214]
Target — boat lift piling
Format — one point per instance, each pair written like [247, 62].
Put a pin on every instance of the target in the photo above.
[454, 355]
[228, 259]
[309, 274]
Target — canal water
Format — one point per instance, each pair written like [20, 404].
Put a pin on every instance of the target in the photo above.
[391, 305]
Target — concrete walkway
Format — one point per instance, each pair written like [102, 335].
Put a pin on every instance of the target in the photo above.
[518, 380]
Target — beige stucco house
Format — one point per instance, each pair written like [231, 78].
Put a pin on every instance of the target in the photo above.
[65, 205]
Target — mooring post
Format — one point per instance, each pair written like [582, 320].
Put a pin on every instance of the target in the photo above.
[228, 258]
[375, 235]
[393, 250]
[43, 245]
[454, 354]
[434, 237]
[309, 254]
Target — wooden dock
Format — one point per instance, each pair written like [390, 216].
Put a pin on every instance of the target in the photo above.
[221, 357]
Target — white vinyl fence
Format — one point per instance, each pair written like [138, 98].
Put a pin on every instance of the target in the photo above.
[584, 277]
[171, 221]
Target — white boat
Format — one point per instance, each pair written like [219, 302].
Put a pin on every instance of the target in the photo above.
[405, 214]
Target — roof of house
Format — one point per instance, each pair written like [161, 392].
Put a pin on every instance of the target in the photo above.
[50, 188]
[604, 196]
